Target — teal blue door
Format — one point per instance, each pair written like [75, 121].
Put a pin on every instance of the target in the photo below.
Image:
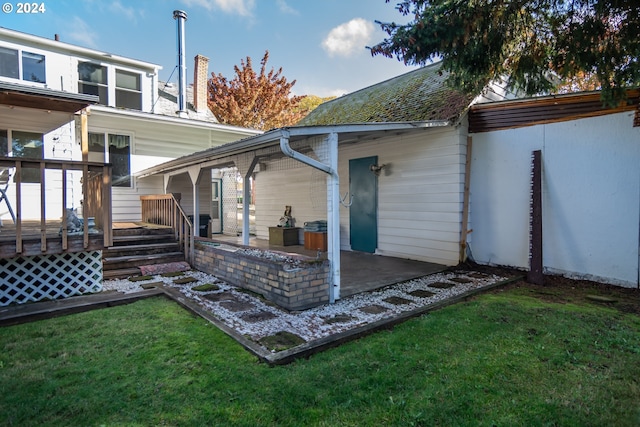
[363, 217]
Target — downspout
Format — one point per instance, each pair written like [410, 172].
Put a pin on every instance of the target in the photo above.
[333, 203]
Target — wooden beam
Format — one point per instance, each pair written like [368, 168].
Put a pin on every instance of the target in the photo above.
[84, 136]
[465, 203]
[43, 210]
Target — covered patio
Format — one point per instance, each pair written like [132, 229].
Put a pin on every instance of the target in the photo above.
[360, 272]
[280, 151]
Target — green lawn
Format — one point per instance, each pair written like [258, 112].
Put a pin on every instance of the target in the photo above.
[501, 359]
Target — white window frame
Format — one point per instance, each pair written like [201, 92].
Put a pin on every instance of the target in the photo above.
[106, 159]
[21, 53]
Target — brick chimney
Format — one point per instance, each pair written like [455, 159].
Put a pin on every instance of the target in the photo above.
[200, 74]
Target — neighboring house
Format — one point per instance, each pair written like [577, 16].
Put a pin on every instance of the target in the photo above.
[135, 124]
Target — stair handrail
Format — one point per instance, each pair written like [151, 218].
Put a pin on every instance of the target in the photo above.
[164, 209]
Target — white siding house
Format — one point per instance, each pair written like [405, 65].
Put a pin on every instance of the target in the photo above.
[135, 125]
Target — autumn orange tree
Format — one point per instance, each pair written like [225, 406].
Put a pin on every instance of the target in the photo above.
[255, 100]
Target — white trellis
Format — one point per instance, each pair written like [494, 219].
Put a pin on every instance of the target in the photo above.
[230, 202]
[36, 278]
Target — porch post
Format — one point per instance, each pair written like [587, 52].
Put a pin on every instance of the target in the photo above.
[194, 175]
[333, 215]
[246, 198]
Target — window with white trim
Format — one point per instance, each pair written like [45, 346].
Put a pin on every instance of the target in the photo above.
[128, 92]
[92, 80]
[14, 64]
[115, 149]
[28, 145]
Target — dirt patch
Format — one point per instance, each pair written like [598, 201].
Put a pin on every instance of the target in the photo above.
[338, 318]
[562, 290]
[260, 316]
[237, 306]
[442, 285]
[397, 301]
[374, 309]
[221, 296]
[421, 293]
[461, 280]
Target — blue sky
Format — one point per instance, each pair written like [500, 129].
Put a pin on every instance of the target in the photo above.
[319, 43]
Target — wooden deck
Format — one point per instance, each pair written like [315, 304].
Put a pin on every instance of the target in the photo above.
[32, 243]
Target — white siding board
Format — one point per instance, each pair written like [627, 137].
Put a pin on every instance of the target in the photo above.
[446, 217]
[290, 187]
[419, 194]
[401, 229]
[591, 188]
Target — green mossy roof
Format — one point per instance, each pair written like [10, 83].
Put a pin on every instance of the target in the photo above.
[419, 95]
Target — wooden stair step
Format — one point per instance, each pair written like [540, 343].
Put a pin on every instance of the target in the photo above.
[140, 258]
[144, 247]
[120, 273]
[143, 238]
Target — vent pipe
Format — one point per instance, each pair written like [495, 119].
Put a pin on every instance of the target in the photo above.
[181, 16]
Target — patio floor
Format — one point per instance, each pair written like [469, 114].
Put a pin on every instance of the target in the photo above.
[359, 271]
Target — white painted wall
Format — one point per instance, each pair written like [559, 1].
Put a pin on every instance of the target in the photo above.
[155, 142]
[419, 193]
[591, 197]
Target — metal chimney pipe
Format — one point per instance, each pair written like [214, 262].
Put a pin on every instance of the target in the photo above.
[181, 16]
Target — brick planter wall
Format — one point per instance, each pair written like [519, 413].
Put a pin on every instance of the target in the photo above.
[299, 288]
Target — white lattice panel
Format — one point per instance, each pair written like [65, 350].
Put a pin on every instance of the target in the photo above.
[230, 202]
[37, 278]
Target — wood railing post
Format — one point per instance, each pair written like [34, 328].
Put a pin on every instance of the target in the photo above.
[164, 209]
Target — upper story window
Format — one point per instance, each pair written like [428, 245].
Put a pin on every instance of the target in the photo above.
[92, 80]
[31, 64]
[128, 92]
[33, 69]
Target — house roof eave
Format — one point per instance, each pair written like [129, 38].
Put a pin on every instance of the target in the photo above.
[139, 115]
[272, 138]
[42, 98]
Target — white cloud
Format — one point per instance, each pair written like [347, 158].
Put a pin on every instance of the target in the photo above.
[285, 8]
[349, 37]
[235, 7]
[128, 12]
[81, 33]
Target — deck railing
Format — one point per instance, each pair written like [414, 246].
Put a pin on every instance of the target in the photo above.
[96, 197]
[164, 209]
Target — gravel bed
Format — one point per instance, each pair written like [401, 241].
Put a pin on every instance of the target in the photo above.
[256, 318]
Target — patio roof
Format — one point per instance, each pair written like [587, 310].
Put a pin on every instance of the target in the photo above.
[346, 133]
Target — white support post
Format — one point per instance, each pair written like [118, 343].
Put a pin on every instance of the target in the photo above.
[333, 215]
[194, 174]
[246, 199]
[333, 203]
